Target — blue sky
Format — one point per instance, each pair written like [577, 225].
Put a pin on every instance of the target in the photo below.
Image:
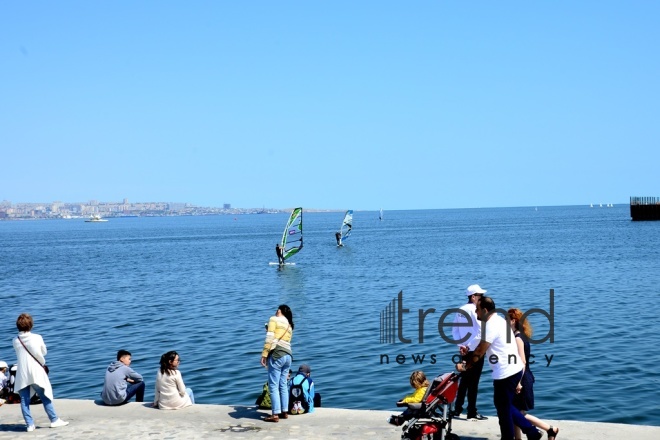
[330, 104]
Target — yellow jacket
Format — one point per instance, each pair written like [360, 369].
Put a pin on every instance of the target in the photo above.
[415, 397]
[280, 330]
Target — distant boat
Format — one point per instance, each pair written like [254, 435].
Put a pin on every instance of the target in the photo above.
[591, 206]
[380, 216]
[95, 218]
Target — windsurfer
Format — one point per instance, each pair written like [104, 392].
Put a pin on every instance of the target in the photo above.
[338, 238]
[279, 249]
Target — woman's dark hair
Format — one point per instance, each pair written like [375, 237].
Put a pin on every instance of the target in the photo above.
[166, 362]
[24, 323]
[286, 311]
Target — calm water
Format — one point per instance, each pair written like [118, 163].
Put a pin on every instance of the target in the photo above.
[203, 286]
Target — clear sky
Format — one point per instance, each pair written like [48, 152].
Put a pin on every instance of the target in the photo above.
[330, 104]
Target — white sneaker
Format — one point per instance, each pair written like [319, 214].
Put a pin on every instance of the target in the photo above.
[30, 428]
[58, 423]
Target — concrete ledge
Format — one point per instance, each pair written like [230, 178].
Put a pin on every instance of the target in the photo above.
[139, 421]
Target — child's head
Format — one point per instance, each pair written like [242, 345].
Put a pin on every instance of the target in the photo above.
[418, 379]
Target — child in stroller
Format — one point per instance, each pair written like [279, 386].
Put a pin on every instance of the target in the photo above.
[430, 419]
[419, 382]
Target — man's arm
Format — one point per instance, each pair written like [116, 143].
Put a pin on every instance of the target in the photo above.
[476, 355]
[133, 376]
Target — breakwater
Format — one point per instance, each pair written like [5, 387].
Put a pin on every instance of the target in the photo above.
[645, 208]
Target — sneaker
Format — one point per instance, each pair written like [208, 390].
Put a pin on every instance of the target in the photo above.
[2, 402]
[455, 413]
[476, 417]
[58, 423]
[30, 428]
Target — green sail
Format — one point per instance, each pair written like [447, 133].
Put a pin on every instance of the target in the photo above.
[292, 238]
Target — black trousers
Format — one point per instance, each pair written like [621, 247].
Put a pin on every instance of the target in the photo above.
[469, 385]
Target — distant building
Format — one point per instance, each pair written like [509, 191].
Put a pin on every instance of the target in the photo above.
[226, 206]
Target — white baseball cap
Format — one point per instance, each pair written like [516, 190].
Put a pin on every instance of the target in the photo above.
[471, 290]
[3, 364]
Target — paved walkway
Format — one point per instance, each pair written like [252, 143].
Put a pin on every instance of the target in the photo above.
[139, 421]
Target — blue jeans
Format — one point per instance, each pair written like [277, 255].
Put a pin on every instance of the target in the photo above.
[278, 371]
[135, 389]
[190, 393]
[25, 404]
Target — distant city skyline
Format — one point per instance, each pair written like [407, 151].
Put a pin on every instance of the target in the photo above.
[341, 105]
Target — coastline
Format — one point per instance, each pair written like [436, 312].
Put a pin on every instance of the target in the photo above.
[138, 420]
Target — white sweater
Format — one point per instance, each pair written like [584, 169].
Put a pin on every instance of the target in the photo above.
[30, 372]
[170, 391]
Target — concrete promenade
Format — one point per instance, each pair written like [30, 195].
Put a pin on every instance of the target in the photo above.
[139, 421]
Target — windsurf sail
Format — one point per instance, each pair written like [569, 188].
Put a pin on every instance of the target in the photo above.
[347, 225]
[380, 216]
[292, 238]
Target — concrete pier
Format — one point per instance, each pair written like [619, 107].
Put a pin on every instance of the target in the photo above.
[140, 421]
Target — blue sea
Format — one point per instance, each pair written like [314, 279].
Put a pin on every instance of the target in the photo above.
[203, 286]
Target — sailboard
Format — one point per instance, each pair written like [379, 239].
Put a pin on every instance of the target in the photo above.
[346, 226]
[292, 238]
[380, 215]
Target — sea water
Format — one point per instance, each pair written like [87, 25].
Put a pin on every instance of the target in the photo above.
[203, 286]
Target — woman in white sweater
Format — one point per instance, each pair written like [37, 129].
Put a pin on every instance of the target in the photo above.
[171, 393]
[32, 375]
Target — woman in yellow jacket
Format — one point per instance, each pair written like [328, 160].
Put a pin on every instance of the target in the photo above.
[277, 357]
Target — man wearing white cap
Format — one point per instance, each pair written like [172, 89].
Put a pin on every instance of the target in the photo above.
[468, 334]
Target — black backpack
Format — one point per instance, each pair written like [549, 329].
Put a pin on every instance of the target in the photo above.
[299, 392]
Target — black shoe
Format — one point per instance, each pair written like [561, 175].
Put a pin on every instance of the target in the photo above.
[455, 412]
[395, 420]
[535, 435]
[476, 417]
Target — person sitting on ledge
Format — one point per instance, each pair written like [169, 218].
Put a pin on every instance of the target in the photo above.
[171, 392]
[122, 382]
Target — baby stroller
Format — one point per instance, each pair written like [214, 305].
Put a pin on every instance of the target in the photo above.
[431, 419]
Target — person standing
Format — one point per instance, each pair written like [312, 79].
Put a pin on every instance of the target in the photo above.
[171, 392]
[32, 373]
[499, 344]
[279, 250]
[277, 357]
[121, 382]
[524, 398]
[338, 238]
[467, 332]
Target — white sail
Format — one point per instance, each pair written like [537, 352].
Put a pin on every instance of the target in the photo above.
[347, 225]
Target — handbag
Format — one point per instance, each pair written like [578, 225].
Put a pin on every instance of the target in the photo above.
[44, 366]
[273, 344]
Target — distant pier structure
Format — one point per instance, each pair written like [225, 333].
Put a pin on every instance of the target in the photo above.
[645, 208]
